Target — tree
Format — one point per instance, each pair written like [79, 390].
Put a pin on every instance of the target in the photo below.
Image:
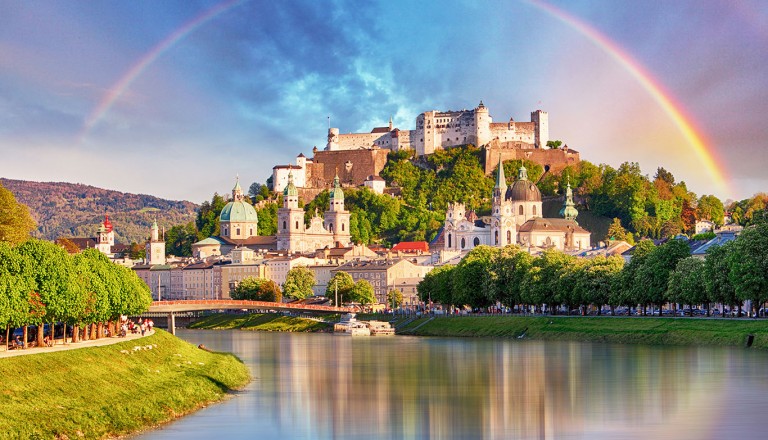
[341, 284]
[16, 224]
[472, 286]
[437, 286]
[595, 280]
[716, 275]
[258, 192]
[207, 221]
[710, 208]
[653, 276]
[179, 240]
[136, 251]
[617, 232]
[509, 268]
[395, 298]
[248, 288]
[554, 144]
[686, 283]
[749, 265]
[626, 291]
[542, 283]
[299, 282]
[363, 293]
[13, 290]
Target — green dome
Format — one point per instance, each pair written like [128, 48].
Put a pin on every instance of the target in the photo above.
[290, 189]
[238, 211]
[336, 192]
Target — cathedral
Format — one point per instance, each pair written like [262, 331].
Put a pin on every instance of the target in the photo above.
[516, 218]
[238, 223]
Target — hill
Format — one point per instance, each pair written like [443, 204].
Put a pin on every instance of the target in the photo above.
[75, 210]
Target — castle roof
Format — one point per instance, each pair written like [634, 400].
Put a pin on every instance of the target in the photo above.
[381, 130]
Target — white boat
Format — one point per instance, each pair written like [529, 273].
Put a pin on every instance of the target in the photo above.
[349, 325]
[381, 328]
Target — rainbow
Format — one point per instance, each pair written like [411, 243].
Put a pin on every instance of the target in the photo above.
[707, 155]
[117, 90]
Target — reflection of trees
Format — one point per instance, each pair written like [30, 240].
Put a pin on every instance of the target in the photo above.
[338, 386]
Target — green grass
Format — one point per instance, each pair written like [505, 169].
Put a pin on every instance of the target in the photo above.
[268, 322]
[646, 330]
[100, 391]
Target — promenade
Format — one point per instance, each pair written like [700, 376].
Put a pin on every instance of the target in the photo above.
[60, 346]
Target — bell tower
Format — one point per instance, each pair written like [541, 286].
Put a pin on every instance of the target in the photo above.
[336, 217]
[290, 220]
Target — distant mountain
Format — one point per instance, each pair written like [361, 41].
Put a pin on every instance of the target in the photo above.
[75, 210]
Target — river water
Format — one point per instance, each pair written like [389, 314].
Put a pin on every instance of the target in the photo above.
[321, 386]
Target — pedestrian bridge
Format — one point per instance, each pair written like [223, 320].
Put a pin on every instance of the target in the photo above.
[171, 307]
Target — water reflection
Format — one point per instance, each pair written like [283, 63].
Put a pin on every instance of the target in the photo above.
[334, 387]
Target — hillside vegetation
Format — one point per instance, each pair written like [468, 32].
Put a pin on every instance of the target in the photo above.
[75, 210]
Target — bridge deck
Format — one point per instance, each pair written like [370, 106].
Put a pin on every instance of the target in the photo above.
[226, 304]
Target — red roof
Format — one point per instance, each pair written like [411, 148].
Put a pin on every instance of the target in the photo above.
[107, 224]
[411, 246]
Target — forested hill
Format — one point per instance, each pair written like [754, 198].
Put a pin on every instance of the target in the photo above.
[75, 210]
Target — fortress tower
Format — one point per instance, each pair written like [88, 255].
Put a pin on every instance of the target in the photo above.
[541, 134]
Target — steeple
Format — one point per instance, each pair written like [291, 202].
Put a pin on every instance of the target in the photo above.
[501, 180]
[569, 211]
[390, 123]
[290, 189]
[337, 195]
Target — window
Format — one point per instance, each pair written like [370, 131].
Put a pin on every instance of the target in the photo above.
[496, 237]
[520, 210]
[250, 232]
[238, 232]
[509, 237]
[284, 225]
[330, 226]
[476, 242]
[463, 243]
[534, 209]
[342, 227]
[449, 241]
[297, 224]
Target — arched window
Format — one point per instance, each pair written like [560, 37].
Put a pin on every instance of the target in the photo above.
[285, 226]
[476, 241]
[225, 231]
[250, 232]
[238, 232]
[450, 244]
[342, 227]
[520, 210]
[463, 243]
[496, 237]
[297, 224]
[330, 226]
[509, 237]
[534, 209]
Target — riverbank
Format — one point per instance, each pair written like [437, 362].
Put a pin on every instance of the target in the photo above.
[268, 322]
[621, 330]
[112, 390]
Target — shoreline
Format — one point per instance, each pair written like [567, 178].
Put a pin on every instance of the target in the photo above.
[667, 331]
[114, 390]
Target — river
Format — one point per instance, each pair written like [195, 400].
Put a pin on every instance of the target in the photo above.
[321, 386]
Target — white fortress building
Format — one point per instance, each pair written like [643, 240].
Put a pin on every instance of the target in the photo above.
[436, 130]
[516, 218]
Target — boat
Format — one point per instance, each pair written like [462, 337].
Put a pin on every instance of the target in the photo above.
[349, 325]
[381, 328]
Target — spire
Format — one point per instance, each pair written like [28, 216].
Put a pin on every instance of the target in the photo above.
[569, 211]
[237, 191]
[522, 174]
[501, 180]
[336, 193]
[390, 123]
[290, 189]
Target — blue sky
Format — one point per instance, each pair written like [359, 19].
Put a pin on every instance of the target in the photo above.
[253, 86]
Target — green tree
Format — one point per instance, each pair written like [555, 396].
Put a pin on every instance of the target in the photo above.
[472, 286]
[653, 276]
[395, 298]
[179, 240]
[16, 224]
[542, 283]
[207, 221]
[717, 268]
[749, 265]
[267, 215]
[509, 268]
[341, 284]
[248, 288]
[437, 286]
[617, 232]
[595, 280]
[363, 293]
[136, 251]
[626, 291]
[14, 288]
[299, 282]
[686, 283]
[711, 208]
[554, 144]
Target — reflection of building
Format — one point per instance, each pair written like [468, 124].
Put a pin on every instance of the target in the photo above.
[516, 218]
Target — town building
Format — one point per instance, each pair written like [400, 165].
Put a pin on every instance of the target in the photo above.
[384, 275]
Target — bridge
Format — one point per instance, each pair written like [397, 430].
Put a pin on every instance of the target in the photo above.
[172, 307]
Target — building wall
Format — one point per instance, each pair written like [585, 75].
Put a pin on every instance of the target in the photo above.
[555, 159]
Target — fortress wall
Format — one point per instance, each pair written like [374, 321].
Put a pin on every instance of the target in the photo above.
[557, 159]
[353, 166]
[353, 141]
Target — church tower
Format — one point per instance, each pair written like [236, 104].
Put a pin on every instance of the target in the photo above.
[569, 211]
[290, 220]
[155, 249]
[106, 238]
[502, 218]
[336, 218]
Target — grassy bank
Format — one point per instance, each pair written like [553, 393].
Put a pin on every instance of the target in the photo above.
[268, 322]
[111, 390]
[653, 331]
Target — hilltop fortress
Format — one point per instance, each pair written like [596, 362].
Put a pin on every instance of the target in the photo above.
[359, 157]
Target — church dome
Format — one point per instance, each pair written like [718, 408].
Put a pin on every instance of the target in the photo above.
[523, 190]
[238, 211]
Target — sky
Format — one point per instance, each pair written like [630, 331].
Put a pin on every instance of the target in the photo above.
[177, 98]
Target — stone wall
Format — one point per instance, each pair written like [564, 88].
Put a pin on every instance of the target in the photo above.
[353, 166]
[556, 159]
